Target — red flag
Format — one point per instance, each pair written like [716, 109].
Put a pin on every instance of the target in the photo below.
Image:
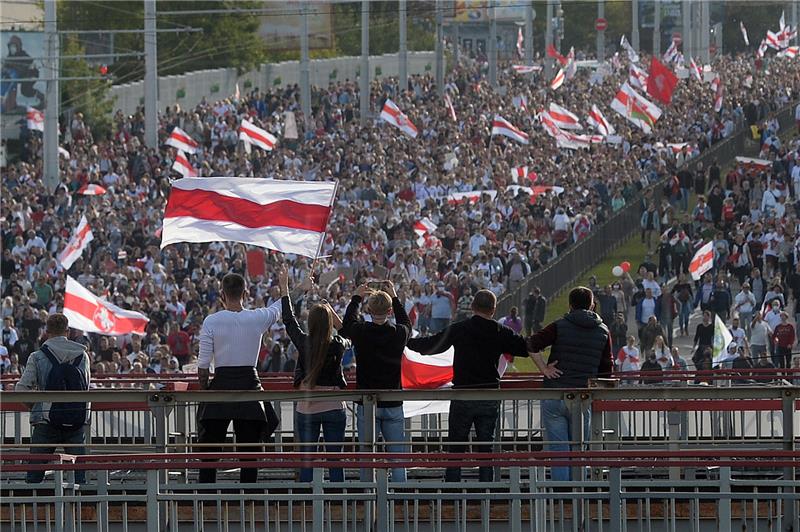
[662, 82]
[552, 52]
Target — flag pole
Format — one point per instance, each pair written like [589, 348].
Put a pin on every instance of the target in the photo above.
[325, 232]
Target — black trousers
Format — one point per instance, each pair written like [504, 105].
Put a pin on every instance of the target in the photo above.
[463, 415]
[215, 431]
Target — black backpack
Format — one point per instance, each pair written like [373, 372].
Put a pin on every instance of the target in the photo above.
[66, 376]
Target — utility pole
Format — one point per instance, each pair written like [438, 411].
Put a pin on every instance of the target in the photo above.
[439, 48]
[635, 25]
[150, 76]
[363, 83]
[656, 28]
[559, 25]
[601, 35]
[52, 105]
[492, 47]
[686, 14]
[305, 82]
[705, 27]
[794, 20]
[402, 54]
[548, 42]
[456, 43]
[529, 33]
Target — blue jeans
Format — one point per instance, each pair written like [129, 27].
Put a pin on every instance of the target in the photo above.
[332, 424]
[390, 423]
[43, 433]
[685, 199]
[683, 318]
[463, 415]
[557, 425]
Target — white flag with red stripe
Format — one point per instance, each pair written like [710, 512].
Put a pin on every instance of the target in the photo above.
[695, 70]
[80, 239]
[519, 174]
[526, 69]
[638, 77]
[252, 134]
[501, 126]
[183, 166]
[558, 80]
[599, 122]
[744, 33]
[520, 41]
[424, 229]
[287, 216]
[87, 312]
[702, 261]
[179, 139]
[762, 49]
[450, 109]
[394, 116]
[563, 118]
[35, 119]
[790, 52]
[91, 189]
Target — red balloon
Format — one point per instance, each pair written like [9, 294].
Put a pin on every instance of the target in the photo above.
[626, 266]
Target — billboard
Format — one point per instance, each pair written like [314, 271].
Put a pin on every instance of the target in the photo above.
[20, 59]
[281, 29]
[478, 11]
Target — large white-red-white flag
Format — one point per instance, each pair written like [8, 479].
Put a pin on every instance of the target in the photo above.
[599, 122]
[87, 312]
[92, 189]
[80, 239]
[179, 139]
[520, 41]
[424, 229]
[744, 33]
[702, 261]
[559, 79]
[501, 126]
[183, 166]
[525, 69]
[252, 134]
[394, 116]
[35, 119]
[287, 216]
[563, 118]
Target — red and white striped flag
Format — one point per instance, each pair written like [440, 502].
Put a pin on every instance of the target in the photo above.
[762, 49]
[775, 40]
[252, 134]
[637, 77]
[183, 166]
[179, 139]
[702, 261]
[394, 116]
[520, 41]
[599, 122]
[672, 53]
[424, 228]
[526, 69]
[90, 189]
[501, 126]
[35, 119]
[563, 118]
[790, 52]
[519, 174]
[719, 90]
[695, 70]
[473, 196]
[558, 80]
[287, 216]
[87, 312]
[80, 239]
[450, 109]
[744, 33]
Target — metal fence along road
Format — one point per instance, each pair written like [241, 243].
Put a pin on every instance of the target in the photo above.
[581, 257]
[652, 458]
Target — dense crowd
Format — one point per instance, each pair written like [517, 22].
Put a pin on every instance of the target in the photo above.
[387, 183]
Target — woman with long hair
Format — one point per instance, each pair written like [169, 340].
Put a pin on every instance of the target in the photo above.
[319, 368]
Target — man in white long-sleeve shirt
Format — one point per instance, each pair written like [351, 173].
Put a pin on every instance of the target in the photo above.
[230, 340]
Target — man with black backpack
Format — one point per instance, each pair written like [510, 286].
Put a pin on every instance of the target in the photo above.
[59, 365]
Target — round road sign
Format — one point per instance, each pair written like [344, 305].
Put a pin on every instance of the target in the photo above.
[601, 24]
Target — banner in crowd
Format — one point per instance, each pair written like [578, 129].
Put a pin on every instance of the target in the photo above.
[183, 166]
[722, 338]
[702, 261]
[252, 134]
[287, 216]
[501, 126]
[87, 312]
[179, 139]
[394, 116]
[79, 241]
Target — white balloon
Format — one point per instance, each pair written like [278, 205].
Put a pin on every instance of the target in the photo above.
[617, 271]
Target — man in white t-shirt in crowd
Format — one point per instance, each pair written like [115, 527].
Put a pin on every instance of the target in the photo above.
[737, 332]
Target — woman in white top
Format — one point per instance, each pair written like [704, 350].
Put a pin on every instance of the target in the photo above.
[663, 355]
[628, 359]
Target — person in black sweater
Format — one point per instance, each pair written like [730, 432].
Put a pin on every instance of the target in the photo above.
[478, 344]
[703, 340]
[379, 347]
[319, 368]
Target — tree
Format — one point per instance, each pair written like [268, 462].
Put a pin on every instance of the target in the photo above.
[89, 96]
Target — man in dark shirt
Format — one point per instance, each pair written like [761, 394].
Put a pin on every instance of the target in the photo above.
[580, 349]
[478, 344]
[379, 347]
[535, 306]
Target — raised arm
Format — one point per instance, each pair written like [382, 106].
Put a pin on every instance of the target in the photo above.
[400, 315]
[296, 334]
[432, 345]
[351, 313]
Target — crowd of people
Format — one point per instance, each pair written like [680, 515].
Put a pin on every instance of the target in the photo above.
[388, 182]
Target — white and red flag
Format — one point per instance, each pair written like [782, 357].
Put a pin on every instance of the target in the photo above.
[762, 49]
[287, 216]
[572, 67]
[636, 108]
[672, 53]
[183, 166]
[702, 261]
[450, 109]
[394, 116]
[80, 239]
[519, 174]
[695, 70]
[35, 119]
[633, 56]
[552, 52]
[744, 33]
[563, 118]
[776, 40]
[472, 196]
[520, 40]
[558, 80]
[424, 229]
[637, 77]
[719, 91]
[87, 312]
[599, 122]
[526, 69]
[501, 126]
[791, 52]
[252, 134]
[91, 189]
[179, 139]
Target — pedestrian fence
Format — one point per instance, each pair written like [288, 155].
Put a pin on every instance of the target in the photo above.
[669, 457]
